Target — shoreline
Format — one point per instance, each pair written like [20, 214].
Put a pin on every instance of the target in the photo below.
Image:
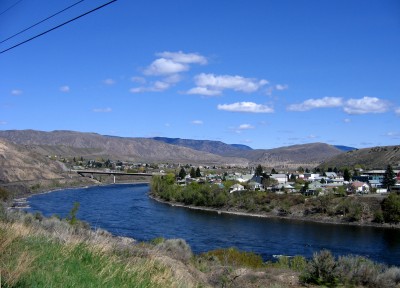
[26, 196]
[271, 216]
[209, 209]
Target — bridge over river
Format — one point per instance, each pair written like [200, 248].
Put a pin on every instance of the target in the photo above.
[91, 173]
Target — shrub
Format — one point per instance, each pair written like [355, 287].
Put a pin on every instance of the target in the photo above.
[3, 212]
[378, 216]
[176, 248]
[72, 214]
[4, 194]
[391, 208]
[320, 270]
[298, 263]
[234, 257]
[357, 270]
[389, 278]
[157, 240]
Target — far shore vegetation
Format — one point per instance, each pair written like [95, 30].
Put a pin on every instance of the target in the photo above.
[331, 207]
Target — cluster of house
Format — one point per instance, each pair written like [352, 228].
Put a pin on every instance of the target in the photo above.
[317, 184]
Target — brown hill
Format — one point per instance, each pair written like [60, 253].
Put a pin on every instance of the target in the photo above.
[368, 158]
[70, 143]
[92, 145]
[291, 157]
[19, 164]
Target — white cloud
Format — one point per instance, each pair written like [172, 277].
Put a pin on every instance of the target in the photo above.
[281, 87]
[16, 92]
[175, 78]
[393, 135]
[197, 122]
[217, 83]
[102, 110]
[157, 86]
[65, 89]
[397, 111]
[3, 122]
[245, 127]
[173, 63]
[164, 66]
[140, 80]
[248, 107]
[204, 91]
[180, 57]
[109, 81]
[347, 120]
[309, 104]
[366, 105]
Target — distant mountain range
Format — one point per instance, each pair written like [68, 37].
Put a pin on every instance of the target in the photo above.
[345, 148]
[172, 150]
[214, 147]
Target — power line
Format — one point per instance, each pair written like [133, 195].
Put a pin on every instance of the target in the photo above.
[65, 9]
[58, 26]
[10, 7]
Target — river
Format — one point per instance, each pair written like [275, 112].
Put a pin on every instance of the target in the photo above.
[126, 210]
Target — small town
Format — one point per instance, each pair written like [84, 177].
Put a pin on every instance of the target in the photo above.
[345, 182]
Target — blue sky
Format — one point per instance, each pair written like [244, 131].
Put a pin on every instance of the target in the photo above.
[262, 73]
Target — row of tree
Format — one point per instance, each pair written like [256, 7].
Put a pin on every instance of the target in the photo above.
[194, 173]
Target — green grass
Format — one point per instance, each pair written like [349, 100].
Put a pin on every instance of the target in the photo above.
[36, 261]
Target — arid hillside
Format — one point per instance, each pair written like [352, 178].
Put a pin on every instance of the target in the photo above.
[92, 145]
[20, 163]
[368, 158]
[70, 143]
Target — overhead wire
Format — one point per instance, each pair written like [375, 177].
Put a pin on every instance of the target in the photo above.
[9, 8]
[58, 26]
[30, 27]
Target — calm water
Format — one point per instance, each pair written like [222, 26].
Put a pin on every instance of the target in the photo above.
[127, 210]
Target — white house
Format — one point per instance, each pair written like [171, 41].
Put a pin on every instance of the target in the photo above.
[359, 187]
[253, 185]
[311, 176]
[236, 187]
[331, 175]
[281, 178]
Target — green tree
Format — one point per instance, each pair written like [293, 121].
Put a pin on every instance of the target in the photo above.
[198, 172]
[389, 177]
[391, 208]
[192, 173]
[346, 175]
[273, 171]
[72, 219]
[259, 170]
[182, 173]
[305, 187]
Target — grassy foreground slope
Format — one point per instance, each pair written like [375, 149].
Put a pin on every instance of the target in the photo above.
[49, 252]
[55, 254]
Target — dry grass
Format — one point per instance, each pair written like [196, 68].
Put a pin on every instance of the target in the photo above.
[112, 259]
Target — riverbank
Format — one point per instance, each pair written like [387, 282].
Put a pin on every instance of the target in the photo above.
[24, 192]
[72, 249]
[325, 220]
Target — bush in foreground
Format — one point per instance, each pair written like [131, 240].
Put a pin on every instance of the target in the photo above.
[349, 271]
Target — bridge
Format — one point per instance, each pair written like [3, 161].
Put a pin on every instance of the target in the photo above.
[113, 173]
